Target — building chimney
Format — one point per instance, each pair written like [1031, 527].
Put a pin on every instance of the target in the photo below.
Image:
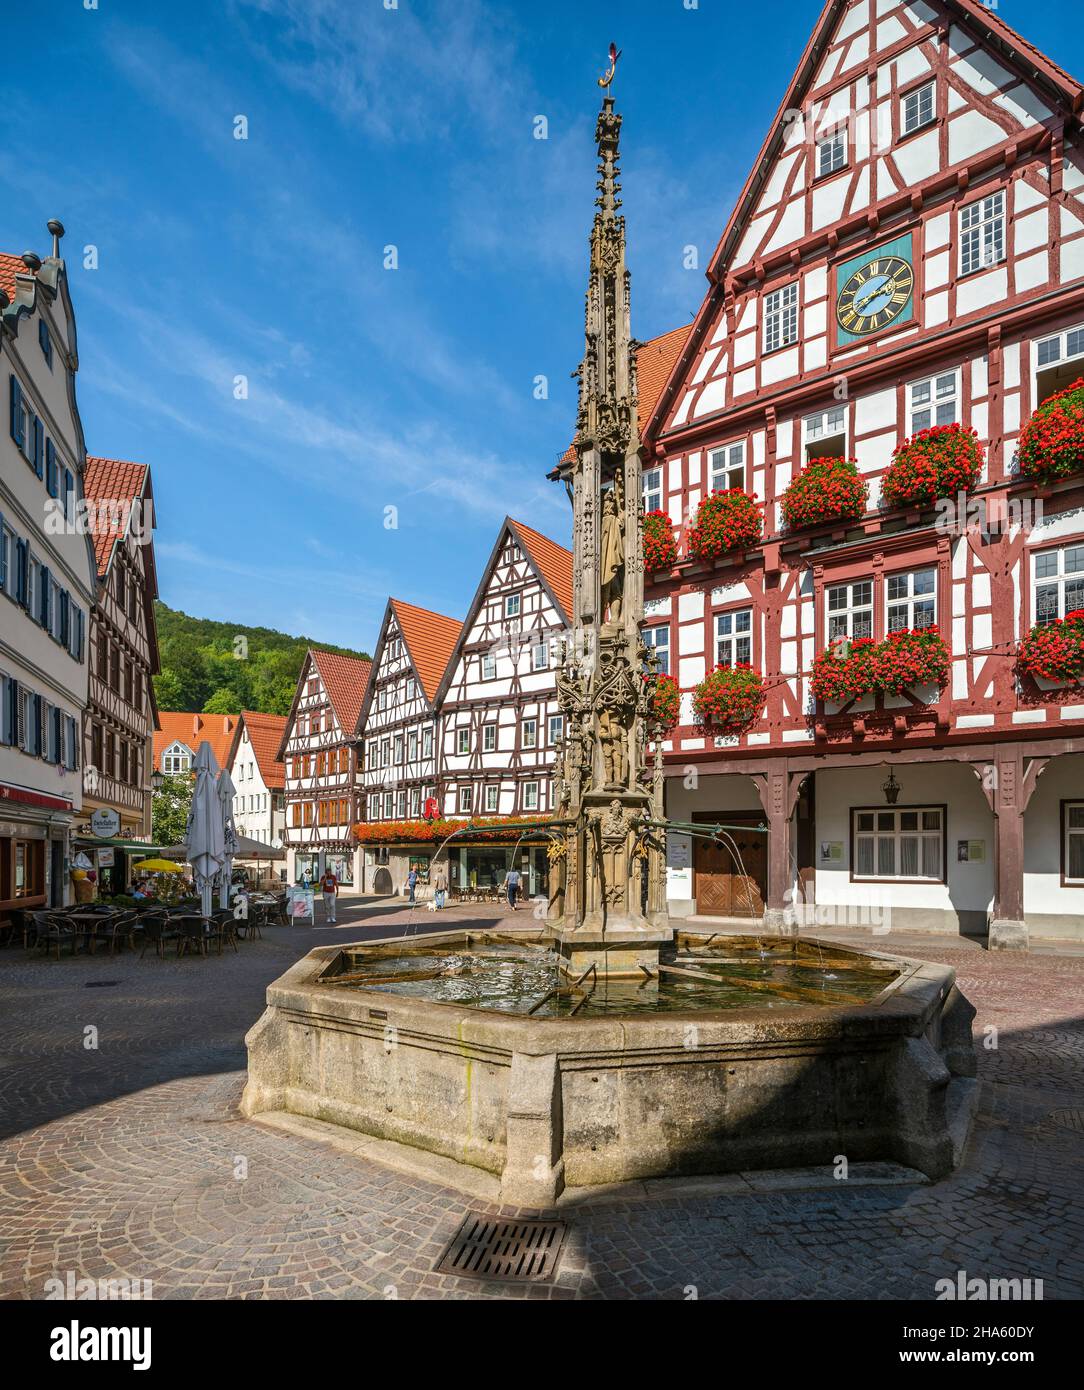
[56, 230]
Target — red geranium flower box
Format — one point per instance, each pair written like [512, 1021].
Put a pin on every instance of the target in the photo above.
[939, 462]
[666, 701]
[729, 699]
[842, 672]
[660, 548]
[725, 521]
[826, 490]
[1055, 651]
[1051, 444]
[848, 670]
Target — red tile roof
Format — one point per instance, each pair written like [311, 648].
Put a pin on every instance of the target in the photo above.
[265, 734]
[552, 561]
[430, 639]
[10, 266]
[654, 362]
[344, 679]
[193, 729]
[111, 480]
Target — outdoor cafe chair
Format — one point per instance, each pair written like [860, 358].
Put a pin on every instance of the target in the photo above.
[50, 931]
[222, 927]
[120, 928]
[157, 930]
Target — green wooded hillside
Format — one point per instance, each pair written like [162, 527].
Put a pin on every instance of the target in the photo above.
[221, 668]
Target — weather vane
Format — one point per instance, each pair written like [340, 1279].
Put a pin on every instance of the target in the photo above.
[606, 80]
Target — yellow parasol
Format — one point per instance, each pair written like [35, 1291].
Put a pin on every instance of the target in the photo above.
[158, 866]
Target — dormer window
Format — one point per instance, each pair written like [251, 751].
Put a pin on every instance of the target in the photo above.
[831, 152]
[176, 759]
[917, 108]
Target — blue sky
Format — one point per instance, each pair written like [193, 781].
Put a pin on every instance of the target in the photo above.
[369, 388]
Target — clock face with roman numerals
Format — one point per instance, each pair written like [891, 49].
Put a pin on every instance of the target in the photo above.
[875, 294]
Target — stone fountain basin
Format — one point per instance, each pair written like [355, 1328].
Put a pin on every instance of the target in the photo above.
[545, 1104]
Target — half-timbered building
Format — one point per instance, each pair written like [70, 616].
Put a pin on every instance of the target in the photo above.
[399, 728]
[120, 718]
[907, 252]
[323, 796]
[500, 725]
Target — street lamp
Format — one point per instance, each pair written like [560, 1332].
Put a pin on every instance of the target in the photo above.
[157, 780]
[891, 788]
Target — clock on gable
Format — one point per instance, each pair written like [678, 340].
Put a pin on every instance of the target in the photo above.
[875, 290]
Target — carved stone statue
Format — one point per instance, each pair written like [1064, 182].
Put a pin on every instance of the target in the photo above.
[612, 568]
[614, 753]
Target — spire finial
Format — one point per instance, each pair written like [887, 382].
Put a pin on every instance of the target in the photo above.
[606, 80]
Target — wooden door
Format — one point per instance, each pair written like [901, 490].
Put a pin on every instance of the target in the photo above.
[729, 885]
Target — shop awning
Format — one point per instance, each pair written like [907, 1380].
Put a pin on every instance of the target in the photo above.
[93, 842]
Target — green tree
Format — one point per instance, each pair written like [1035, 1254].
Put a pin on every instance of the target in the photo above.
[169, 809]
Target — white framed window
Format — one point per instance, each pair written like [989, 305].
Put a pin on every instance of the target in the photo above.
[734, 637]
[397, 757]
[556, 727]
[653, 490]
[982, 233]
[530, 733]
[850, 610]
[911, 599]
[726, 468]
[462, 741]
[917, 108]
[904, 842]
[427, 741]
[540, 656]
[1059, 583]
[530, 796]
[1073, 841]
[658, 639]
[489, 738]
[832, 152]
[781, 317]
[389, 805]
[415, 801]
[412, 746]
[400, 804]
[934, 401]
[489, 667]
[465, 798]
[1057, 362]
[825, 433]
[385, 752]
[511, 605]
[493, 793]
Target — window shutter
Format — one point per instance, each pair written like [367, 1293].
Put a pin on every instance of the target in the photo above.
[43, 597]
[3, 554]
[38, 459]
[35, 725]
[52, 480]
[69, 495]
[22, 571]
[65, 633]
[18, 419]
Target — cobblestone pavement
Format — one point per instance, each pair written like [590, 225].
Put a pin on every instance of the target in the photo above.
[128, 1159]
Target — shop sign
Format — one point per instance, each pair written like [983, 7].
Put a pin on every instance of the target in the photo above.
[105, 823]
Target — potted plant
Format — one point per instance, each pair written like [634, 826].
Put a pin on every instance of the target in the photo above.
[941, 461]
[660, 548]
[729, 699]
[826, 490]
[666, 701]
[842, 672]
[1051, 444]
[1054, 652]
[910, 657]
[725, 521]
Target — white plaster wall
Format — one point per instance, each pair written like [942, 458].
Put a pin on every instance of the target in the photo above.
[1063, 779]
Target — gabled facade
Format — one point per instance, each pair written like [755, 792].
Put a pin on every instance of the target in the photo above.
[319, 750]
[908, 252]
[120, 717]
[48, 578]
[259, 777]
[179, 733]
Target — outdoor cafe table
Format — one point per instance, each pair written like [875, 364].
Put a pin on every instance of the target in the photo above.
[87, 924]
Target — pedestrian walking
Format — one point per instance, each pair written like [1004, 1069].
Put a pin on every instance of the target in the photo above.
[440, 887]
[329, 887]
[511, 883]
[412, 883]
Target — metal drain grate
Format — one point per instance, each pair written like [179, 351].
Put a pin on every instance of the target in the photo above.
[100, 984]
[507, 1250]
[1069, 1119]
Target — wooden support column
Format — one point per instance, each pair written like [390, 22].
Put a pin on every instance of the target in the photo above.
[778, 789]
[1008, 782]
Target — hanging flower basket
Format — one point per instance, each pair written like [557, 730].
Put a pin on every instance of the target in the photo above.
[666, 701]
[725, 521]
[910, 657]
[848, 670]
[660, 548]
[939, 462]
[1055, 651]
[842, 673]
[826, 490]
[729, 698]
[1051, 444]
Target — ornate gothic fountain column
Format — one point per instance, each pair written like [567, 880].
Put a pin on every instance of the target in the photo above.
[610, 911]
